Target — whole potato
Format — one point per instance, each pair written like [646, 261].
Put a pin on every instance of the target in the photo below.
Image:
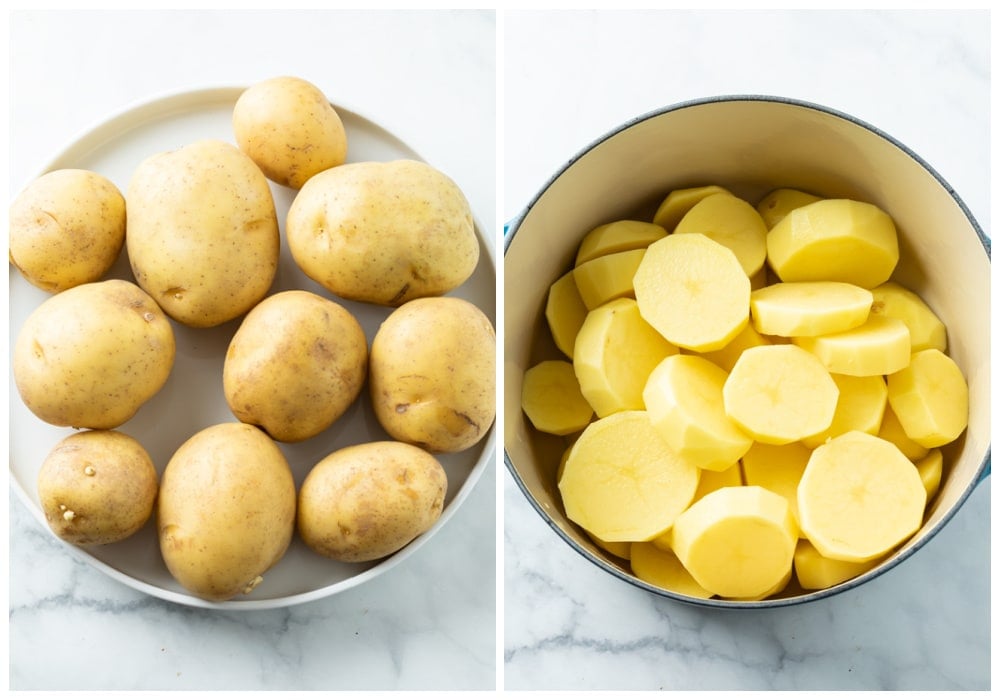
[67, 227]
[91, 356]
[432, 374]
[295, 365]
[226, 511]
[202, 232]
[97, 487]
[290, 129]
[383, 233]
[367, 501]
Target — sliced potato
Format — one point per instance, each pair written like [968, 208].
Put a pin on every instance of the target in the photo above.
[608, 277]
[617, 237]
[552, 400]
[565, 312]
[734, 223]
[931, 398]
[678, 202]
[880, 345]
[808, 308]
[775, 206]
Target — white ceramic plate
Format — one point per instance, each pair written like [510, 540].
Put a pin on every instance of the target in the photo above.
[193, 398]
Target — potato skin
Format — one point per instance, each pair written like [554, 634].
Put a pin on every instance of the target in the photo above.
[432, 374]
[383, 233]
[367, 501]
[97, 487]
[91, 356]
[290, 130]
[226, 511]
[67, 227]
[203, 234]
[295, 365]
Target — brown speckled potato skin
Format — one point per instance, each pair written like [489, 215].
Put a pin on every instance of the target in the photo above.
[67, 228]
[432, 374]
[97, 487]
[91, 356]
[295, 365]
[383, 233]
[203, 234]
[226, 511]
[290, 130]
[367, 501]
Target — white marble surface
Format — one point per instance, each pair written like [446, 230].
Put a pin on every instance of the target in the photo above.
[570, 78]
[428, 623]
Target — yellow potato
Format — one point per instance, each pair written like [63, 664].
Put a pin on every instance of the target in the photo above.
[295, 365]
[930, 397]
[734, 223]
[91, 356]
[367, 501]
[775, 206]
[67, 227]
[931, 468]
[622, 483]
[891, 430]
[97, 487]
[226, 510]
[678, 202]
[203, 235]
[432, 374]
[552, 400]
[860, 406]
[683, 397]
[880, 345]
[926, 329]
[615, 352]
[727, 356]
[816, 572]
[565, 312]
[859, 498]
[383, 232]
[693, 291]
[708, 482]
[289, 129]
[617, 237]
[737, 542]
[608, 277]
[834, 240]
[808, 308]
[662, 568]
[622, 550]
[777, 468]
[779, 394]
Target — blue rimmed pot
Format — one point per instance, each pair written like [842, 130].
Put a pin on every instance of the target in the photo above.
[751, 144]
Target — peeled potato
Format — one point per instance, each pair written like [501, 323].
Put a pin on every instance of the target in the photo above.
[926, 329]
[617, 237]
[678, 202]
[734, 223]
[608, 277]
[931, 398]
[809, 308]
[859, 498]
[880, 345]
[694, 291]
[930, 469]
[565, 312]
[663, 569]
[860, 406]
[891, 430]
[552, 400]
[814, 571]
[777, 468]
[776, 205]
[727, 356]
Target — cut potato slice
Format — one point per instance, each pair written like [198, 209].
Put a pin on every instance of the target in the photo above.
[930, 397]
[622, 550]
[623, 483]
[777, 468]
[776, 205]
[926, 329]
[693, 291]
[776, 588]
[860, 406]
[617, 237]
[565, 312]
[816, 572]
[809, 308]
[683, 396]
[734, 223]
[552, 400]
[708, 482]
[608, 277]
[662, 568]
[892, 431]
[880, 345]
[779, 394]
[727, 356]
[836, 240]
[859, 498]
[931, 469]
[678, 202]
[615, 352]
[737, 542]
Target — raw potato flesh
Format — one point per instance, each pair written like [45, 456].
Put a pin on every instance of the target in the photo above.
[737, 542]
[727, 356]
[608, 277]
[663, 569]
[776, 205]
[779, 394]
[734, 223]
[926, 329]
[622, 483]
[693, 291]
[565, 312]
[837, 240]
[615, 352]
[683, 397]
[777, 468]
[931, 398]
[930, 469]
[892, 431]
[861, 406]
[815, 572]
[617, 237]
[678, 202]
[881, 345]
[859, 498]
[809, 308]
[551, 398]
